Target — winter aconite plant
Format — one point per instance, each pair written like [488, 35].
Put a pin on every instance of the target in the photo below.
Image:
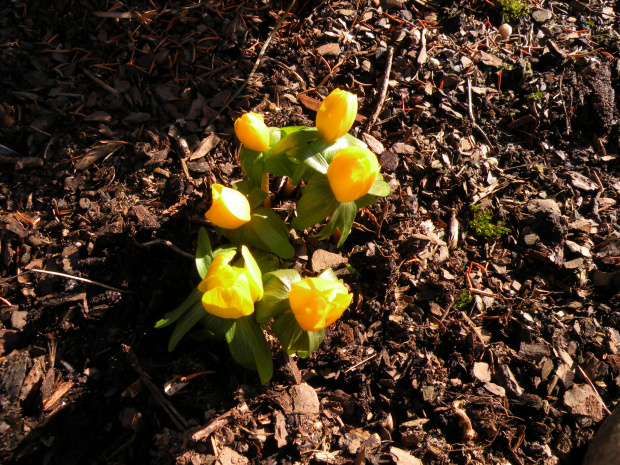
[246, 290]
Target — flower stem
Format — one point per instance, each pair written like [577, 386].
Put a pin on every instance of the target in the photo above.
[264, 185]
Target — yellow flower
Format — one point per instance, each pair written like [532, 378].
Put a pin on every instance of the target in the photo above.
[252, 132]
[318, 302]
[230, 208]
[352, 173]
[230, 291]
[336, 115]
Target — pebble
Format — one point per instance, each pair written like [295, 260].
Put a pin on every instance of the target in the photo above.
[505, 30]
[541, 15]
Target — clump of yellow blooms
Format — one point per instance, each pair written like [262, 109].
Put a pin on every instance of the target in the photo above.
[252, 132]
[317, 303]
[336, 115]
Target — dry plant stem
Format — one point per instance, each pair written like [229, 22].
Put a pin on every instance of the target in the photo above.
[384, 87]
[598, 396]
[175, 416]
[256, 63]
[167, 244]
[77, 278]
[112, 90]
[471, 115]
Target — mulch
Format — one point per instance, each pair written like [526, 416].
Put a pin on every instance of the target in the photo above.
[484, 327]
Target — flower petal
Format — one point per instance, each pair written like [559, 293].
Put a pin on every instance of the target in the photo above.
[230, 209]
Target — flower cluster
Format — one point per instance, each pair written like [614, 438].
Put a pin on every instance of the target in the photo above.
[242, 293]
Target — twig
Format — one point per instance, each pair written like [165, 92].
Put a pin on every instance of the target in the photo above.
[256, 63]
[167, 244]
[589, 381]
[77, 278]
[219, 422]
[384, 87]
[372, 357]
[471, 115]
[112, 90]
[178, 420]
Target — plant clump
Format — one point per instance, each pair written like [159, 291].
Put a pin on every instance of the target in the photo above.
[513, 10]
[245, 289]
[482, 224]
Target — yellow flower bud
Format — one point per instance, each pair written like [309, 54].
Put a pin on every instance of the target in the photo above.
[352, 173]
[252, 132]
[230, 291]
[230, 208]
[317, 302]
[336, 115]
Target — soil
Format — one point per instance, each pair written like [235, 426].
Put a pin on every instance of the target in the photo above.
[485, 321]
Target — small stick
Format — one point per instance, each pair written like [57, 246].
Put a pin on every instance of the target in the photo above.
[77, 278]
[372, 357]
[167, 244]
[384, 87]
[178, 420]
[256, 63]
[589, 381]
[471, 115]
[112, 90]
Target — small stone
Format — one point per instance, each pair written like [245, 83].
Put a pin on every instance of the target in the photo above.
[582, 400]
[573, 264]
[544, 205]
[329, 50]
[482, 372]
[19, 319]
[322, 259]
[505, 30]
[305, 399]
[540, 15]
[605, 446]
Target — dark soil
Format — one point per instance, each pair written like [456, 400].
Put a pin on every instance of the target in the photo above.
[484, 327]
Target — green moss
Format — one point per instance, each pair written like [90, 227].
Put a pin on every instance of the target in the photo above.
[465, 299]
[482, 224]
[538, 95]
[513, 10]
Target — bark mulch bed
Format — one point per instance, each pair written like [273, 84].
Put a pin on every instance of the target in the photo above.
[485, 321]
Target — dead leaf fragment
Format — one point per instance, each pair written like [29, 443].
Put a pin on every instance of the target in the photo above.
[401, 457]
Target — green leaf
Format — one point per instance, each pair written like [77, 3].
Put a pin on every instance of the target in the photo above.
[302, 136]
[328, 149]
[380, 188]
[365, 201]
[342, 219]
[294, 339]
[276, 285]
[266, 261]
[267, 231]
[252, 164]
[328, 273]
[256, 197]
[317, 203]
[302, 171]
[215, 326]
[275, 135]
[174, 315]
[185, 323]
[281, 165]
[249, 347]
[204, 254]
[307, 155]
